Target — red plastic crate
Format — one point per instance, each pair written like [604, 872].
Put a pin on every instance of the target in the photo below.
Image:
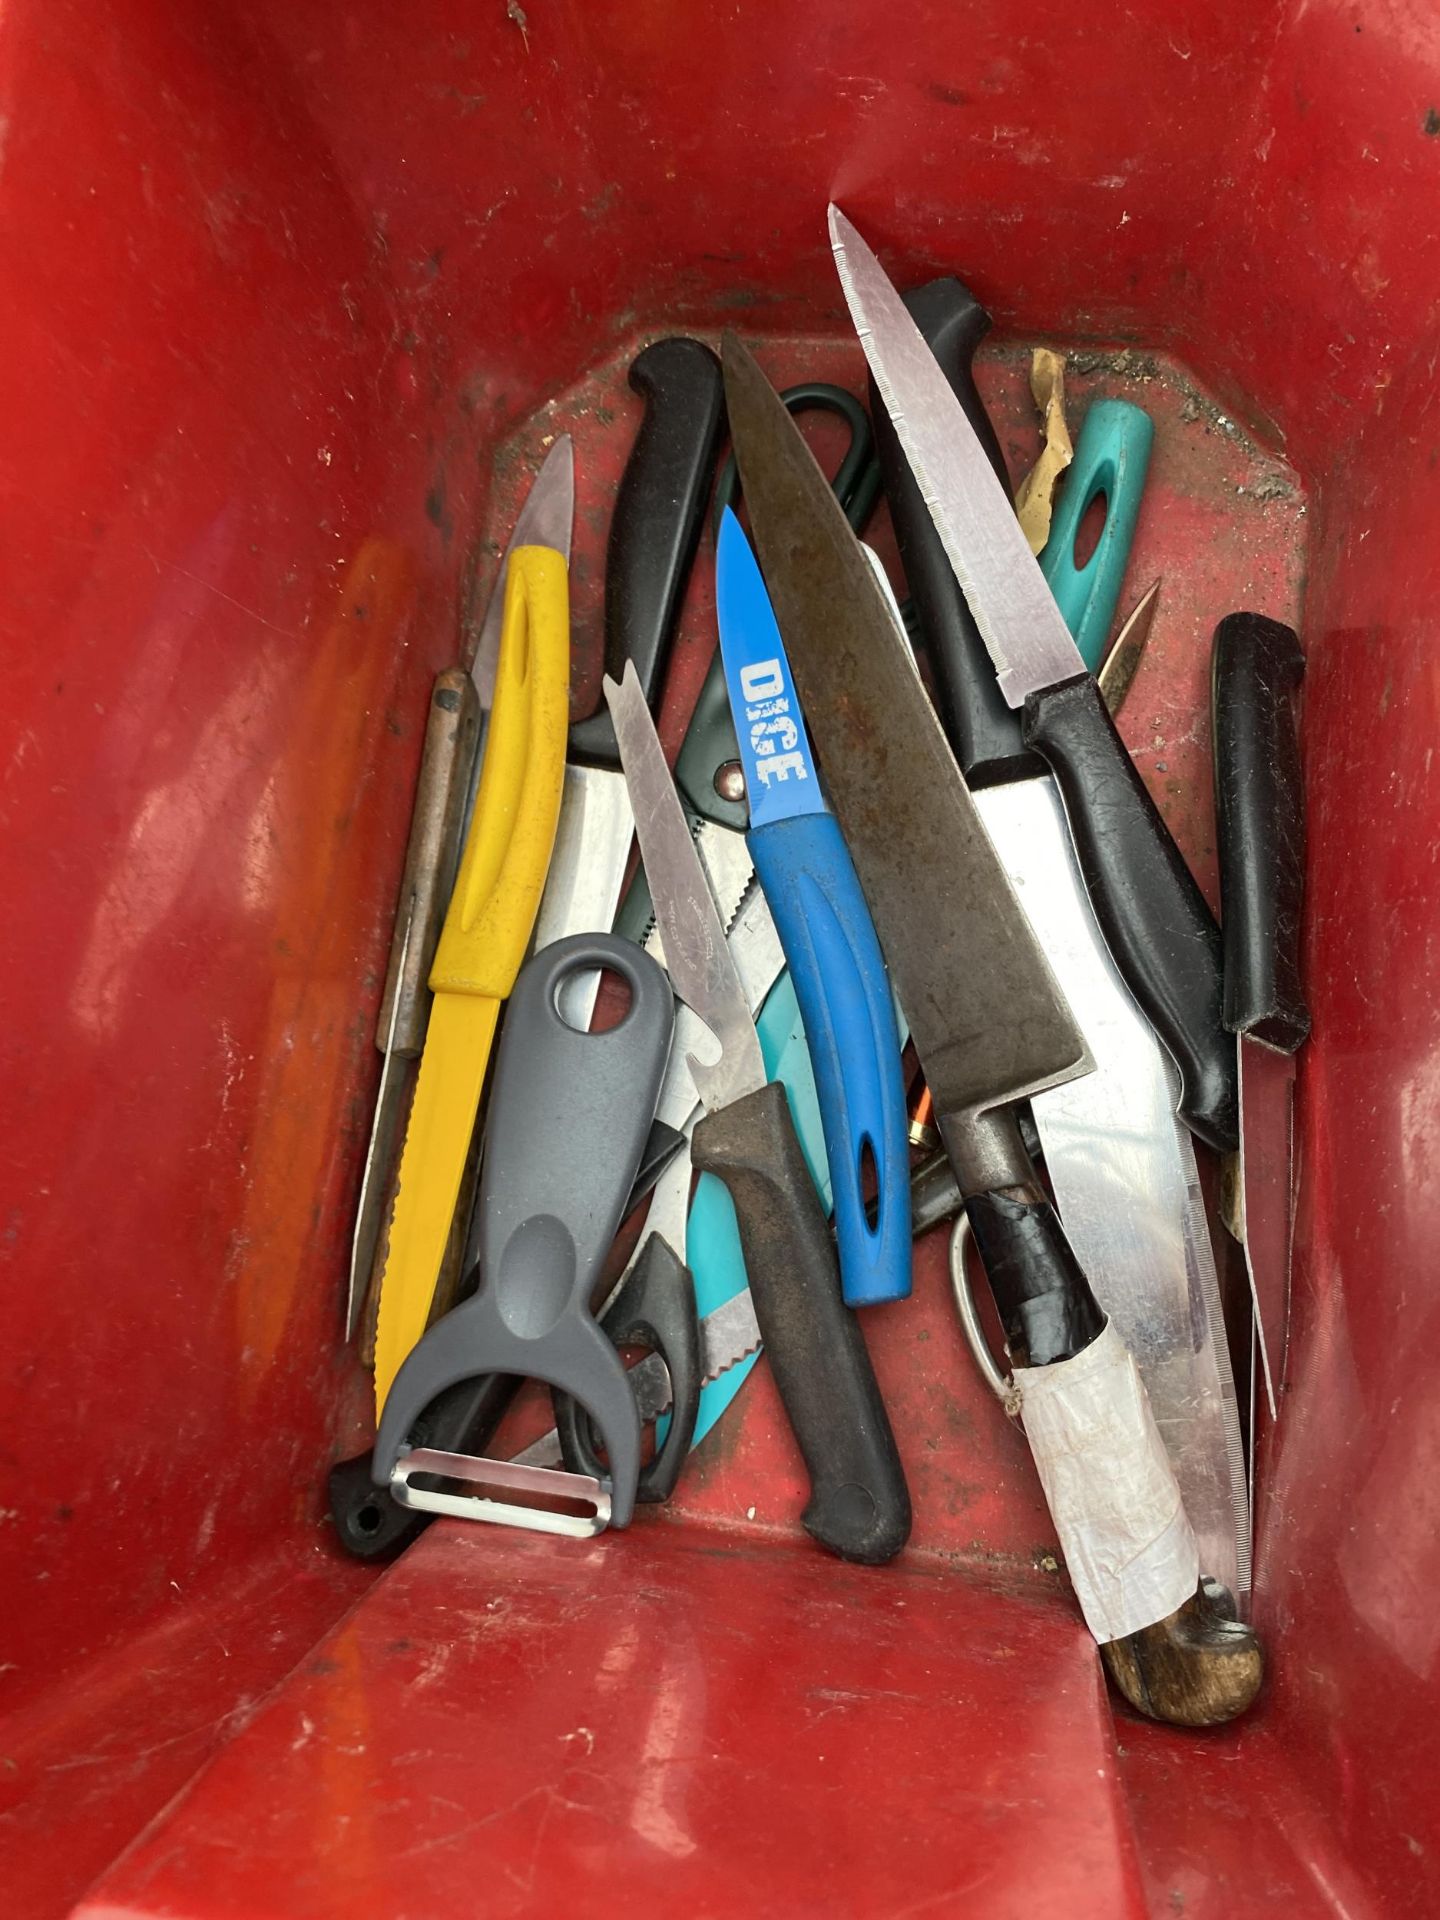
[293, 295]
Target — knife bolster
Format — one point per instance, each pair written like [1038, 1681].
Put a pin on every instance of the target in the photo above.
[1045, 1301]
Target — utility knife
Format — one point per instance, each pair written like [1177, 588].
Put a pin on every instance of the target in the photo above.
[825, 929]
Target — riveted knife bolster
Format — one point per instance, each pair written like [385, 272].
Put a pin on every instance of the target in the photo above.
[1160, 932]
[859, 1505]
[1045, 1303]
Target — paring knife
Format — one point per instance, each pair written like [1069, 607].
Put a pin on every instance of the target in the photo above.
[824, 925]
[1113, 1133]
[1154, 917]
[659, 511]
[859, 1506]
[991, 1027]
[483, 942]
[1260, 804]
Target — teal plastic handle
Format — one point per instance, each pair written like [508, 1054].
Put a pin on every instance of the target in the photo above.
[1112, 457]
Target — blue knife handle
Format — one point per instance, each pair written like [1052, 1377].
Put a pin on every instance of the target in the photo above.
[1112, 457]
[840, 981]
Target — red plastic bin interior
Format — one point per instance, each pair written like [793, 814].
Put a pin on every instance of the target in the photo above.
[288, 292]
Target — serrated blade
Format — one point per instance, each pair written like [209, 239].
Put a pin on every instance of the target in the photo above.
[1022, 627]
[697, 958]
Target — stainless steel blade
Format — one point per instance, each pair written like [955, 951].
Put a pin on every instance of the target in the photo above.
[587, 870]
[383, 1130]
[725, 856]
[1123, 1171]
[986, 1012]
[1267, 1099]
[698, 960]
[545, 520]
[1021, 625]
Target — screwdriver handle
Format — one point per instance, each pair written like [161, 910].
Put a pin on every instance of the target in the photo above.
[859, 1503]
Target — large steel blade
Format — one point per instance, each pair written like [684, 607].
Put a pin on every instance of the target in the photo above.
[988, 1017]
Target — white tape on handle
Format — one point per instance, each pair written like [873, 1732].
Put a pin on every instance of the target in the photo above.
[1112, 1495]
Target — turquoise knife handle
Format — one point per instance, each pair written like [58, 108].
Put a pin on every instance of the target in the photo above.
[840, 981]
[1112, 457]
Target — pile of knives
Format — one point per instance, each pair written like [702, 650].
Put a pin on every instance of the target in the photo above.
[856, 865]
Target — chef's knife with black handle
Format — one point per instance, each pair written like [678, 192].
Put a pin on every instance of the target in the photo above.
[1161, 935]
[991, 1027]
[655, 529]
[859, 1505]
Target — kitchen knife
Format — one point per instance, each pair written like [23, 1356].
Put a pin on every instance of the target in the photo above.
[824, 926]
[1153, 916]
[859, 1505]
[991, 1027]
[1260, 806]
[487, 929]
[1113, 1132]
[708, 770]
[654, 530]
[451, 739]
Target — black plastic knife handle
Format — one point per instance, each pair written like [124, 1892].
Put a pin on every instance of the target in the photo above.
[1260, 808]
[1046, 1304]
[984, 733]
[1161, 934]
[859, 1503]
[655, 528]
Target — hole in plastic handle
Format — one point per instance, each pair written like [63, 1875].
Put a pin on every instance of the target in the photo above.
[612, 1002]
[869, 1171]
[1091, 527]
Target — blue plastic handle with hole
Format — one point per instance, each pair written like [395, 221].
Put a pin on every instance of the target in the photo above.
[824, 924]
[1112, 457]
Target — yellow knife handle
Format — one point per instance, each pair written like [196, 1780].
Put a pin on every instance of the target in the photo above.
[507, 852]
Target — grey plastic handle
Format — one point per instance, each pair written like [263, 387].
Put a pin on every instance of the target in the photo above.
[570, 1114]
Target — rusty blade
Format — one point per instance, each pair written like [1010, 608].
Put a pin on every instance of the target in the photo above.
[988, 1017]
[1122, 663]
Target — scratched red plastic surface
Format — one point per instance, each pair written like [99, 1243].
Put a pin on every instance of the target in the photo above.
[667, 1758]
[279, 281]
